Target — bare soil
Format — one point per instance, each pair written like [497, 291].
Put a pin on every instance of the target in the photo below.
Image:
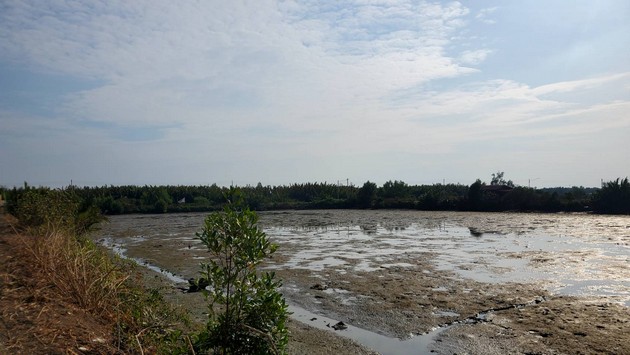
[486, 318]
[303, 339]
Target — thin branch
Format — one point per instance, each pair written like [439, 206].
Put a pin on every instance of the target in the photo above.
[265, 335]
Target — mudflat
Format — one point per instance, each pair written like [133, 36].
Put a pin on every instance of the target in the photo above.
[503, 283]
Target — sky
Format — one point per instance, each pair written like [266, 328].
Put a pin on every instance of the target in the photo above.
[160, 92]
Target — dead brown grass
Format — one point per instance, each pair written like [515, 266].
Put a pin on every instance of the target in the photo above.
[60, 294]
[76, 269]
[34, 317]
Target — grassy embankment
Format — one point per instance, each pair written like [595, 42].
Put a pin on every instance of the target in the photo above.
[62, 294]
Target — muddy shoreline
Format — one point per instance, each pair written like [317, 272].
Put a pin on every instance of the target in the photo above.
[407, 294]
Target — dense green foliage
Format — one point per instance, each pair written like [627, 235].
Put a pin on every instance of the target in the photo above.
[247, 314]
[498, 195]
[45, 208]
[614, 197]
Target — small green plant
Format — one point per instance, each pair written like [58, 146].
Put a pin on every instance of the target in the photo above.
[247, 314]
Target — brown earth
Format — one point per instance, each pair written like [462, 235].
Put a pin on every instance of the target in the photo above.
[480, 318]
[517, 318]
[303, 339]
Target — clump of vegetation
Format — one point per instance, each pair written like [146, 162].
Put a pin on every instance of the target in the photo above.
[247, 314]
[614, 197]
[42, 209]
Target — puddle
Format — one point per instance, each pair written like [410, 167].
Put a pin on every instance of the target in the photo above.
[418, 344]
[568, 253]
[573, 254]
[447, 314]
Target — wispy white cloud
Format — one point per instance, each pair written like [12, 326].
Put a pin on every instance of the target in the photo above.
[504, 109]
[484, 15]
[474, 57]
[582, 84]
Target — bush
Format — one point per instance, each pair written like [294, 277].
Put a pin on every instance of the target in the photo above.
[59, 210]
[247, 313]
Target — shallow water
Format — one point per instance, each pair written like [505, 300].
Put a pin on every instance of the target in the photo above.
[417, 344]
[573, 254]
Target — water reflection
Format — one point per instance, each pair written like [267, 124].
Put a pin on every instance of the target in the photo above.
[575, 253]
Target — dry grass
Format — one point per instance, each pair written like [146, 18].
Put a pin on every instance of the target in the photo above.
[34, 317]
[77, 269]
[58, 291]
[60, 287]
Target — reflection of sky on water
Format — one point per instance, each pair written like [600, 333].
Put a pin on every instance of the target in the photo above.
[574, 254]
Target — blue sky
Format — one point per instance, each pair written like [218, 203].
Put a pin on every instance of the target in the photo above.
[202, 92]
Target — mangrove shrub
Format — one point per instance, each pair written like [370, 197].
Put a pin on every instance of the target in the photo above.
[247, 314]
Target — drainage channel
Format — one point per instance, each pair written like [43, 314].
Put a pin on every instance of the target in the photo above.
[418, 344]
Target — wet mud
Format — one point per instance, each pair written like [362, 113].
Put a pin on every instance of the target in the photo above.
[451, 282]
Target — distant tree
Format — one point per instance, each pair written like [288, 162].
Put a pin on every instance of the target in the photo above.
[394, 189]
[614, 197]
[156, 199]
[475, 194]
[497, 179]
[366, 194]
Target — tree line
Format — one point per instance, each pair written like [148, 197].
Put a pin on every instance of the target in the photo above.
[498, 195]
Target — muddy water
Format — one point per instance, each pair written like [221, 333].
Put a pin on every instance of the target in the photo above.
[572, 254]
[403, 273]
